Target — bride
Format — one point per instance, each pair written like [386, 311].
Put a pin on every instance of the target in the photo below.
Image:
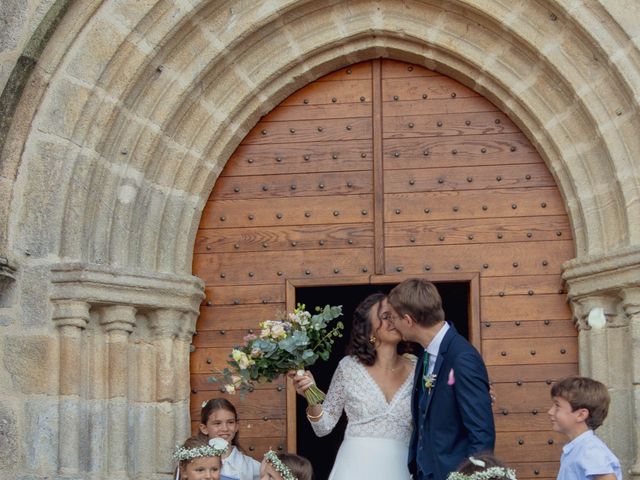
[373, 385]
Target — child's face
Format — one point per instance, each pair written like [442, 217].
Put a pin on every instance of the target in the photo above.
[221, 423]
[564, 419]
[201, 468]
[267, 472]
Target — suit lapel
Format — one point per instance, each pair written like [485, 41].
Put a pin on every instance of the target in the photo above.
[442, 353]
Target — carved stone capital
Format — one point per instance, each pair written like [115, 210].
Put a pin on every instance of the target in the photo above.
[71, 313]
[118, 318]
[583, 306]
[631, 301]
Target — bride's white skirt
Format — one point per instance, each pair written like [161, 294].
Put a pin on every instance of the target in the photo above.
[371, 459]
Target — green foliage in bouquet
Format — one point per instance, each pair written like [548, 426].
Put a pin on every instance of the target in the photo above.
[293, 343]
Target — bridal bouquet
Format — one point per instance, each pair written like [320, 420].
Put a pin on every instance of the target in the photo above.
[292, 343]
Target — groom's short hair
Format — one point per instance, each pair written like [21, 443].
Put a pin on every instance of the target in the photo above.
[419, 299]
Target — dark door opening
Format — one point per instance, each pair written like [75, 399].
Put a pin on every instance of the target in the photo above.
[322, 451]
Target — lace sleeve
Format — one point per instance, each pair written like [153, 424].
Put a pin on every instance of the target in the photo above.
[333, 404]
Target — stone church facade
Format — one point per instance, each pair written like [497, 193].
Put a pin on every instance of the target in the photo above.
[117, 118]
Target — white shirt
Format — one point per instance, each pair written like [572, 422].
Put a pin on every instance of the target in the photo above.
[587, 456]
[434, 347]
[238, 466]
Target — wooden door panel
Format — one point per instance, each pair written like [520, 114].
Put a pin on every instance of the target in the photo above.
[252, 429]
[307, 236]
[501, 258]
[237, 316]
[440, 105]
[290, 186]
[221, 269]
[308, 211]
[327, 110]
[523, 447]
[440, 125]
[396, 90]
[319, 130]
[425, 206]
[256, 404]
[477, 230]
[521, 285]
[522, 397]
[468, 178]
[530, 351]
[547, 373]
[299, 158]
[540, 470]
[523, 422]
[224, 337]
[438, 152]
[352, 91]
[524, 307]
[243, 295]
[527, 329]
[201, 382]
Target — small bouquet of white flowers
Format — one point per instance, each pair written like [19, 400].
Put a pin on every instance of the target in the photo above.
[293, 343]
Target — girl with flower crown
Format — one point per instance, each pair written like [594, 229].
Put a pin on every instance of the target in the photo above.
[219, 418]
[373, 386]
[199, 458]
[285, 466]
[483, 467]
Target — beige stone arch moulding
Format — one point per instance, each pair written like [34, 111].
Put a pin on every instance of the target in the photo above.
[148, 105]
[134, 107]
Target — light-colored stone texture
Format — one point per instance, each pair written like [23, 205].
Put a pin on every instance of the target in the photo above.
[40, 435]
[31, 361]
[8, 437]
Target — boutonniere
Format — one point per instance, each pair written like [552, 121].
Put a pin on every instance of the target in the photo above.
[430, 381]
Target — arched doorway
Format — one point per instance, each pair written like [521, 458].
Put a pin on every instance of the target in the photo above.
[374, 173]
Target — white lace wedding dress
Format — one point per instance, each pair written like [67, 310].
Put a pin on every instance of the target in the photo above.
[375, 445]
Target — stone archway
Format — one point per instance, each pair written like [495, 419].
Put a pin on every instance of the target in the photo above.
[133, 109]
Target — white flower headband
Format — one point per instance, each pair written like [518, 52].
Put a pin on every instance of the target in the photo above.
[488, 474]
[216, 448]
[280, 467]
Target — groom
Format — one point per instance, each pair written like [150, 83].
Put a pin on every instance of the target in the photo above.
[451, 405]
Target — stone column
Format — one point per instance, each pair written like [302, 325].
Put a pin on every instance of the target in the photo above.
[631, 305]
[171, 331]
[592, 339]
[118, 321]
[71, 318]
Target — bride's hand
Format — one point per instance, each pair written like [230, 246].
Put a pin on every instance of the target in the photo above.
[301, 382]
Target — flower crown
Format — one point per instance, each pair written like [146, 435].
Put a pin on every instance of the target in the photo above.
[488, 474]
[280, 467]
[216, 448]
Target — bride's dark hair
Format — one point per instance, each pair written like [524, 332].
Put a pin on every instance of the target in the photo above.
[359, 344]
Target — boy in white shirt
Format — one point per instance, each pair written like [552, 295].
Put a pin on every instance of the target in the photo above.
[580, 405]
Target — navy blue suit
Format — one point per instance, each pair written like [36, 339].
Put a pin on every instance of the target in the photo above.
[451, 422]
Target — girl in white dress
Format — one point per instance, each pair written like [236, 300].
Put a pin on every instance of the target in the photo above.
[372, 384]
[219, 418]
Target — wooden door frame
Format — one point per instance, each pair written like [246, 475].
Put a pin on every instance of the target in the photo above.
[473, 278]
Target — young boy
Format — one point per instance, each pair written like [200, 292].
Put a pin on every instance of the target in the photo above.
[580, 405]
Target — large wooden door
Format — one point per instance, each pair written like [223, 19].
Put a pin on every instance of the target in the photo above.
[388, 170]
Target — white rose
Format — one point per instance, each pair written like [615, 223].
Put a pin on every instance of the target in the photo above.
[218, 443]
